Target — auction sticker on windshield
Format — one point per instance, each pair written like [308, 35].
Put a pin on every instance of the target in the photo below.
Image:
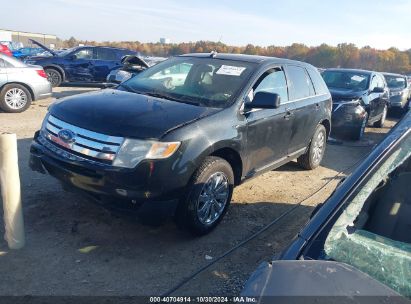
[230, 70]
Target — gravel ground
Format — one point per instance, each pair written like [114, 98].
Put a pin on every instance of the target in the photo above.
[74, 247]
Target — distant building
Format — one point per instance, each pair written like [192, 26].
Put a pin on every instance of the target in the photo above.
[23, 38]
[165, 40]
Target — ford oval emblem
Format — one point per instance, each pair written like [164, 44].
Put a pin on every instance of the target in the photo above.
[67, 136]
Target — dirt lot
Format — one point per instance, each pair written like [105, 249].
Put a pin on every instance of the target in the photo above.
[74, 247]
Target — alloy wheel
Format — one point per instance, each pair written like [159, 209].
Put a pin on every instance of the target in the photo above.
[213, 198]
[384, 115]
[53, 77]
[318, 148]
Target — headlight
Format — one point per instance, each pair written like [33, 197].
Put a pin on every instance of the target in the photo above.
[133, 151]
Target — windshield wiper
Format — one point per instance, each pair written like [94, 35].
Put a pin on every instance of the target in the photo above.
[128, 89]
[169, 97]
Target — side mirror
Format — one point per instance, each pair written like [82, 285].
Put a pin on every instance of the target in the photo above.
[378, 90]
[72, 57]
[264, 100]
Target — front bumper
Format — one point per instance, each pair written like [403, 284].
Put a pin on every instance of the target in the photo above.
[346, 119]
[149, 181]
[398, 101]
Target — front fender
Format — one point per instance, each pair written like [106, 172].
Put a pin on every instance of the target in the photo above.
[203, 138]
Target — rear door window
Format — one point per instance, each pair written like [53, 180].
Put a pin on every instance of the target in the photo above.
[106, 54]
[300, 84]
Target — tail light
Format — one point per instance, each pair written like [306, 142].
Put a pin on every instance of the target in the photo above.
[5, 50]
[41, 73]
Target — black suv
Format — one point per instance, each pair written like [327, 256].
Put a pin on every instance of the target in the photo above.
[84, 64]
[359, 98]
[187, 130]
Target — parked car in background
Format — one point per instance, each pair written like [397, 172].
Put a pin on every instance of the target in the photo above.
[131, 66]
[359, 98]
[30, 51]
[20, 84]
[4, 49]
[85, 64]
[358, 243]
[400, 91]
[158, 138]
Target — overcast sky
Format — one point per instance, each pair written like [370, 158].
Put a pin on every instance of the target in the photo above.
[380, 24]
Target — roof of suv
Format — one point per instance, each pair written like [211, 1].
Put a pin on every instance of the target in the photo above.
[243, 57]
[352, 70]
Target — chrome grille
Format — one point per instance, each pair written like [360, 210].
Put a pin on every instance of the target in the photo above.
[87, 143]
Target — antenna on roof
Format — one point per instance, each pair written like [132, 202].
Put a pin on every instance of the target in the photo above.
[213, 54]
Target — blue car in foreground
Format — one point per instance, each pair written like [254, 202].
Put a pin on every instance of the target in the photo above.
[357, 246]
[84, 64]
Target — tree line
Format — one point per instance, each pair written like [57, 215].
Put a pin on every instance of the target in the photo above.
[344, 55]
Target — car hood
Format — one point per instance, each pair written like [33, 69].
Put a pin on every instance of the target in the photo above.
[312, 278]
[134, 60]
[397, 89]
[118, 113]
[345, 95]
[36, 58]
[43, 47]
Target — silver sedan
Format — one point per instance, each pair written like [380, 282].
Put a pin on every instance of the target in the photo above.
[20, 84]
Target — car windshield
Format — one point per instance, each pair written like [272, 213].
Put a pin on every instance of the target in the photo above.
[396, 82]
[373, 232]
[66, 52]
[349, 80]
[206, 82]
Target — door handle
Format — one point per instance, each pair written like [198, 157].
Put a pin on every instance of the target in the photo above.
[317, 106]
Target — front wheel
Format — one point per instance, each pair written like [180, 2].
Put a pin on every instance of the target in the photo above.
[208, 196]
[312, 158]
[358, 133]
[380, 123]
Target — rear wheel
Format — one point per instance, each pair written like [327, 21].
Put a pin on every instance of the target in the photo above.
[315, 153]
[208, 197]
[380, 123]
[14, 98]
[54, 77]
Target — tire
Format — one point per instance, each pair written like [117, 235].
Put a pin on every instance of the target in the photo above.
[380, 123]
[54, 77]
[358, 133]
[194, 211]
[312, 158]
[15, 98]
